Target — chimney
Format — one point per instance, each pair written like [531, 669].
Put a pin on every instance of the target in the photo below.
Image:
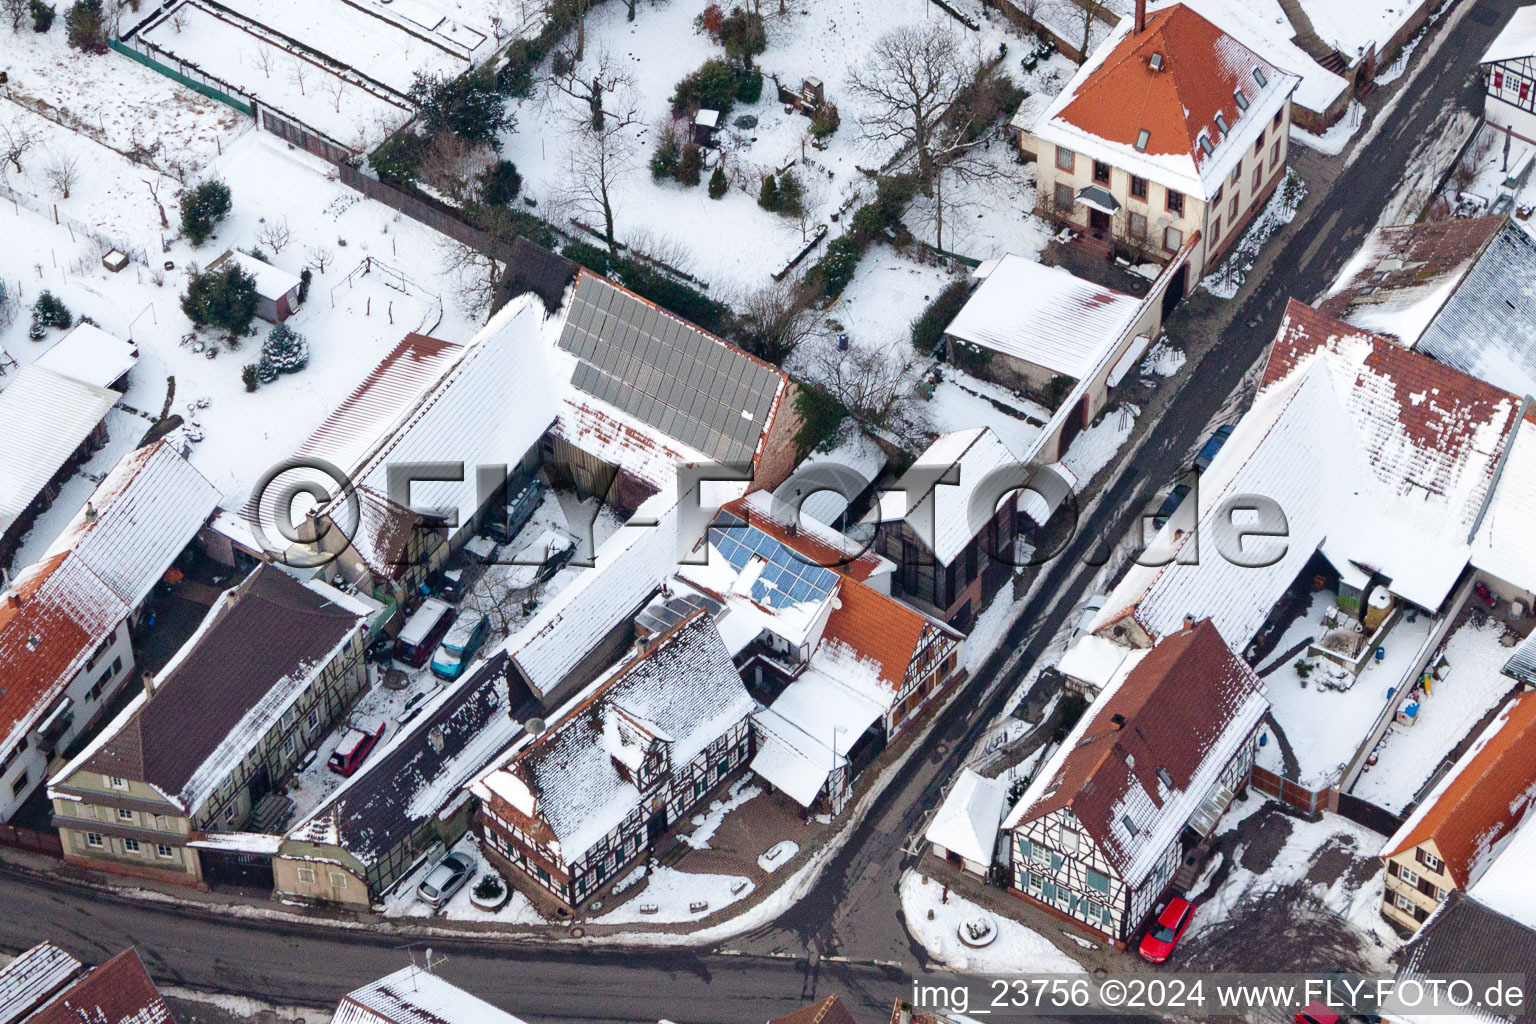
[12, 599]
[1141, 16]
[149, 684]
[90, 512]
[1189, 621]
[1117, 721]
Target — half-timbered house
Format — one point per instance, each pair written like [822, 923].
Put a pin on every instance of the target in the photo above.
[1509, 75]
[841, 667]
[1146, 772]
[567, 810]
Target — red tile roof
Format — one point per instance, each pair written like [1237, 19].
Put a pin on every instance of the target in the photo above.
[1202, 67]
[117, 992]
[1484, 800]
[879, 627]
[829, 1011]
[1451, 405]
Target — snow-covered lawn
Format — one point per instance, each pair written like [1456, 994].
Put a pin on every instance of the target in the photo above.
[1016, 950]
[960, 402]
[115, 101]
[350, 324]
[986, 217]
[1094, 448]
[259, 66]
[1325, 727]
[706, 824]
[731, 243]
[1408, 755]
[672, 893]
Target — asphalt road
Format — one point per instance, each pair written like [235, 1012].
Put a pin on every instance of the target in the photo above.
[852, 911]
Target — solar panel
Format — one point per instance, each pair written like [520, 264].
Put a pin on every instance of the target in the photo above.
[787, 578]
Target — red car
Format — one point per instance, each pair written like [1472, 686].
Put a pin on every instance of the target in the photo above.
[1316, 1013]
[1165, 933]
[354, 746]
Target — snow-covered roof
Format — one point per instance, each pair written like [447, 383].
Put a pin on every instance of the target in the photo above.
[810, 727]
[32, 978]
[1505, 544]
[1380, 459]
[627, 569]
[940, 513]
[95, 573]
[421, 769]
[1487, 328]
[1098, 661]
[238, 842]
[616, 438]
[666, 372]
[412, 995]
[1044, 315]
[1146, 755]
[1171, 81]
[117, 992]
[1476, 807]
[468, 417]
[1516, 39]
[1506, 882]
[1404, 275]
[271, 282]
[90, 354]
[139, 518]
[968, 820]
[682, 689]
[256, 652]
[46, 416]
[856, 453]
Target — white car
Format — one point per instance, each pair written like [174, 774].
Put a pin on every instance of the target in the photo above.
[1090, 612]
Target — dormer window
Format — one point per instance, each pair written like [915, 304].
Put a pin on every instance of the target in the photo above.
[1130, 826]
[1260, 77]
[1156, 62]
[1205, 145]
[1221, 124]
[1164, 777]
[1142, 138]
[1242, 101]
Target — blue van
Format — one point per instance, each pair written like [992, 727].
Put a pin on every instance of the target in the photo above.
[459, 645]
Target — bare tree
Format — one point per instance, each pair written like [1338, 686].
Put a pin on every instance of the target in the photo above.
[319, 256]
[18, 138]
[337, 91]
[275, 235]
[910, 79]
[265, 59]
[1084, 13]
[475, 275]
[873, 386]
[63, 173]
[299, 73]
[592, 85]
[16, 10]
[451, 162]
[603, 144]
[154, 193]
[776, 318]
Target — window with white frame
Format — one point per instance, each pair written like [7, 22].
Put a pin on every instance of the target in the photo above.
[93, 840]
[314, 718]
[130, 845]
[1410, 876]
[1066, 160]
[117, 782]
[163, 851]
[1433, 863]
[306, 875]
[124, 814]
[338, 880]
[1068, 840]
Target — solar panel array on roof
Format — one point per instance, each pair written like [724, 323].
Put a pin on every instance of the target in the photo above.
[665, 612]
[787, 578]
[668, 373]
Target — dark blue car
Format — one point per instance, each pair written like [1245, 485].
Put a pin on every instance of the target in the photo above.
[1213, 445]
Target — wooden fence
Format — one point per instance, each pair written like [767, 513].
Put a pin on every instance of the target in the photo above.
[27, 839]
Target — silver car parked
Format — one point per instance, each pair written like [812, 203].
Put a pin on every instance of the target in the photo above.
[446, 879]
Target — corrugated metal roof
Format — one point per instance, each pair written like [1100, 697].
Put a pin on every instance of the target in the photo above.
[32, 978]
[1522, 664]
[1487, 328]
[46, 416]
[668, 373]
[1044, 315]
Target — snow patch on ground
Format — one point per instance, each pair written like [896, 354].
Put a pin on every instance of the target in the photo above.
[709, 822]
[401, 901]
[1333, 140]
[1409, 755]
[672, 891]
[1226, 279]
[1017, 949]
[1163, 360]
[1095, 446]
